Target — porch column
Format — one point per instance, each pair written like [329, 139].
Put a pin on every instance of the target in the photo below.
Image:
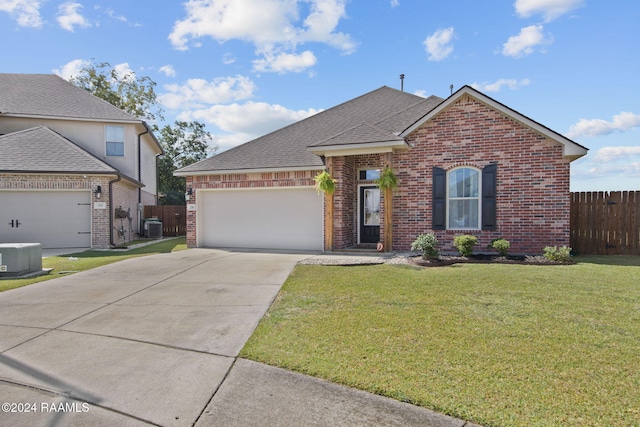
[388, 210]
[328, 211]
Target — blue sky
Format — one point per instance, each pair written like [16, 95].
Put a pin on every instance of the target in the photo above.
[246, 67]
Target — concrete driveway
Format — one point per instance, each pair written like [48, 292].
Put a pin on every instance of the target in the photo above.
[154, 341]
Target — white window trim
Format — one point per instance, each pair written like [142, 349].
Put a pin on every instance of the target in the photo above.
[479, 199]
[106, 153]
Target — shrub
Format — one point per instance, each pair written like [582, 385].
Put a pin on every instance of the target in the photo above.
[427, 244]
[554, 253]
[501, 245]
[465, 243]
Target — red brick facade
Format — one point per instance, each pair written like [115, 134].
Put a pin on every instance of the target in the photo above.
[532, 188]
[532, 185]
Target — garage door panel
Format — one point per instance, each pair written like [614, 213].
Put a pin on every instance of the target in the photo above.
[269, 219]
[55, 219]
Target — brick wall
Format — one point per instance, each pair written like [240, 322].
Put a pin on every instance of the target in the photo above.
[125, 197]
[533, 199]
[241, 181]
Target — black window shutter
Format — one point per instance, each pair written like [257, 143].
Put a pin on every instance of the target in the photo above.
[489, 175]
[439, 202]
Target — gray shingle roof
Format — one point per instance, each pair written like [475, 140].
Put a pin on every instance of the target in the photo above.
[52, 96]
[24, 151]
[379, 115]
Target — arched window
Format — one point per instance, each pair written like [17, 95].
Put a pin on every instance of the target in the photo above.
[463, 199]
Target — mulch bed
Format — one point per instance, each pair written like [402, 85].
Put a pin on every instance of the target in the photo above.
[444, 260]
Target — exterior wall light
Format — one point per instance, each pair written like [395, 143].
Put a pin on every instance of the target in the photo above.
[98, 191]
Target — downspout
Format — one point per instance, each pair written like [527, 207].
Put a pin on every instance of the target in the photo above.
[140, 224]
[111, 211]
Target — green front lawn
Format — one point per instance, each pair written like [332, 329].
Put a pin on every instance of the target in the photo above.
[500, 345]
[73, 263]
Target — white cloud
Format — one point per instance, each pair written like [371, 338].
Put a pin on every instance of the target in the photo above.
[25, 12]
[549, 9]
[244, 122]
[71, 68]
[285, 62]
[198, 93]
[596, 127]
[168, 70]
[123, 71]
[421, 92]
[613, 154]
[438, 45]
[526, 41]
[496, 86]
[274, 27]
[228, 58]
[395, 3]
[68, 16]
[610, 169]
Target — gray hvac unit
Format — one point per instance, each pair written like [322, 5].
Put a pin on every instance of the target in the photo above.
[154, 229]
[17, 259]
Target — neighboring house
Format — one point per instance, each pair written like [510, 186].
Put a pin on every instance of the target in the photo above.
[75, 171]
[466, 165]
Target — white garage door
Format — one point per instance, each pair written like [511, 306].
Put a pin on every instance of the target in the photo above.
[55, 219]
[267, 219]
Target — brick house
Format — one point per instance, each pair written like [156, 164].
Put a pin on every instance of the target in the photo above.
[466, 165]
[75, 171]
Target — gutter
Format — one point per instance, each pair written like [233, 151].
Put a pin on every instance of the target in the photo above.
[111, 210]
[140, 225]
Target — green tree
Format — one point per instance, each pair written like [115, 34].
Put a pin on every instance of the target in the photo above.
[183, 143]
[134, 94]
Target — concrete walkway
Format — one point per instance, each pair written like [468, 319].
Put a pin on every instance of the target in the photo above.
[154, 341]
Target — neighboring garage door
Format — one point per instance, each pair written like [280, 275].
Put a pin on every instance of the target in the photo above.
[55, 219]
[266, 218]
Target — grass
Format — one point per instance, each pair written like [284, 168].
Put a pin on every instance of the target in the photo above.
[499, 345]
[73, 263]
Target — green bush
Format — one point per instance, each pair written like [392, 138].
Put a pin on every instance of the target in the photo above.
[554, 253]
[501, 245]
[465, 243]
[427, 244]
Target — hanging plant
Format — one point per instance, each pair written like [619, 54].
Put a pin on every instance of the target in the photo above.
[324, 183]
[388, 179]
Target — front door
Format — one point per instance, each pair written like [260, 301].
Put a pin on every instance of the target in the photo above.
[369, 214]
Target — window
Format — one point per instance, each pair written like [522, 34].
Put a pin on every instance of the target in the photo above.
[369, 174]
[463, 201]
[464, 198]
[115, 140]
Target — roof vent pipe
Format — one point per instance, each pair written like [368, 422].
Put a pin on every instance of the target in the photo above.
[402, 82]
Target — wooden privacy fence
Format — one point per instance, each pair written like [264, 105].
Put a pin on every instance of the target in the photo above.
[606, 223]
[174, 218]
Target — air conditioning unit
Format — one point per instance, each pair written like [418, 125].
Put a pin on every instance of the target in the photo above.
[18, 259]
[154, 229]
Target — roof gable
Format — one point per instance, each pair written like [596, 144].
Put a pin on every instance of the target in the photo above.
[571, 149]
[40, 149]
[48, 95]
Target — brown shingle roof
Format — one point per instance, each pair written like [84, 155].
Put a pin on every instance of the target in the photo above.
[379, 115]
[49, 95]
[40, 149]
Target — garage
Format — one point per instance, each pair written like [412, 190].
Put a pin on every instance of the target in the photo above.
[283, 218]
[55, 219]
